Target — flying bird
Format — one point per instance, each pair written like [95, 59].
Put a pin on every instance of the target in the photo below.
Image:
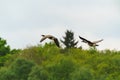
[51, 38]
[92, 44]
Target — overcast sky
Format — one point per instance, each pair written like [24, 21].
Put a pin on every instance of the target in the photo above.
[23, 21]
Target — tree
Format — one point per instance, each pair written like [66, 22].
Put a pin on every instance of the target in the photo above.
[4, 48]
[18, 70]
[69, 40]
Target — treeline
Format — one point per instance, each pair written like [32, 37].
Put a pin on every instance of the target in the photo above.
[51, 63]
[48, 62]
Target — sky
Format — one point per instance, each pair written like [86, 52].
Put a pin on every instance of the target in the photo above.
[22, 22]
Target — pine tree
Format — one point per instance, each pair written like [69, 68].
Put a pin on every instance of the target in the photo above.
[69, 40]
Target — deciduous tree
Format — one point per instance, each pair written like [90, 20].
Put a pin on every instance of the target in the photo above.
[4, 48]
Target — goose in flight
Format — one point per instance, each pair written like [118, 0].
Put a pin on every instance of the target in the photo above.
[50, 37]
[92, 44]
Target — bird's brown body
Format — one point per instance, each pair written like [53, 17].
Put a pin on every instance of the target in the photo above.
[92, 44]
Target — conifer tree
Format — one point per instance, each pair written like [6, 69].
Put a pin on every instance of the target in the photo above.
[69, 40]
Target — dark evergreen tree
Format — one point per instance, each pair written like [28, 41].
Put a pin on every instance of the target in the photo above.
[4, 48]
[69, 40]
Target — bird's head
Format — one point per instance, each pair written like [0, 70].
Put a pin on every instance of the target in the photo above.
[42, 35]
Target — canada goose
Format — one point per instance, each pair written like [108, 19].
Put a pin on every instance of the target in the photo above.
[92, 44]
[50, 37]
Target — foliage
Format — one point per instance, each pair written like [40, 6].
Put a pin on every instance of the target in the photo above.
[49, 63]
[21, 68]
[5, 52]
[14, 51]
[62, 69]
[38, 73]
[82, 74]
[4, 59]
[69, 40]
[4, 48]
[18, 70]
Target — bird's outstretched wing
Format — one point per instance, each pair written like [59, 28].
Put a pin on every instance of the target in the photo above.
[45, 36]
[97, 41]
[85, 40]
[42, 39]
[56, 42]
[51, 38]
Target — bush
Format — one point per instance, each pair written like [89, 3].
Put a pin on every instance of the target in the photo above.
[82, 74]
[18, 70]
[4, 59]
[21, 68]
[61, 70]
[38, 73]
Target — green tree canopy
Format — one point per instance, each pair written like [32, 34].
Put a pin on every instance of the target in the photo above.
[69, 40]
[4, 48]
